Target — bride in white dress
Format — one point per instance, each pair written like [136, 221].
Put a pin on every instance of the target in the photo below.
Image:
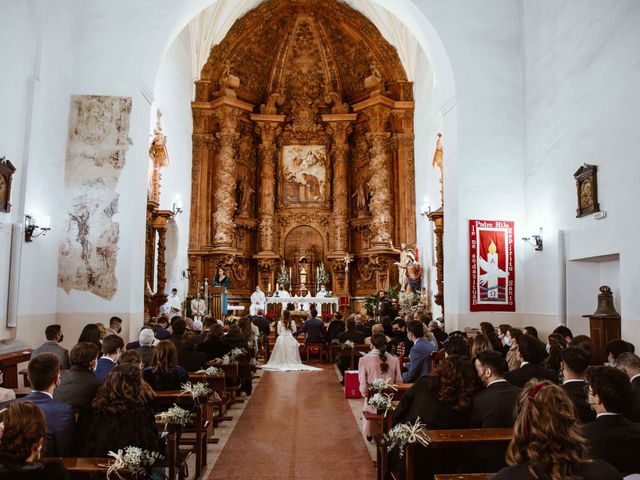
[286, 352]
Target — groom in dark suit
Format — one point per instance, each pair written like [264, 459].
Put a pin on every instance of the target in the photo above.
[313, 327]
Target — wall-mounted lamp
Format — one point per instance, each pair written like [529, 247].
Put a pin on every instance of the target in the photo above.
[186, 274]
[425, 208]
[33, 230]
[177, 205]
[535, 240]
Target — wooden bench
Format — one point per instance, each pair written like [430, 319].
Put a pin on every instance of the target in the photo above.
[463, 476]
[9, 364]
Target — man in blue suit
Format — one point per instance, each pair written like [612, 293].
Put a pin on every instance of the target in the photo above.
[112, 346]
[420, 354]
[314, 328]
[44, 375]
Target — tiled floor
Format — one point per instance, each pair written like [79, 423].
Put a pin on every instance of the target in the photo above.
[297, 425]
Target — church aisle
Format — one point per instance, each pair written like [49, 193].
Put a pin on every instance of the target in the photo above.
[297, 425]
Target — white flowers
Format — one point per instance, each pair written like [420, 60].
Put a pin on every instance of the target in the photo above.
[134, 460]
[237, 352]
[379, 385]
[381, 401]
[405, 434]
[198, 390]
[212, 372]
[177, 415]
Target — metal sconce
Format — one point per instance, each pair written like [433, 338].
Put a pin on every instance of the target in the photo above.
[33, 230]
[535, 240]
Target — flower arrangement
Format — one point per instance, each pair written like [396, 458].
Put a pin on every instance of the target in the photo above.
[282, 276]
[404, 434]
[176, 415]
[212, 372]
[322, 275]
[195, 390]
[231, 320]
[236, 353]
[379, 385]
[134, 460]
[348, 345]
[407, 300]
[381, 401]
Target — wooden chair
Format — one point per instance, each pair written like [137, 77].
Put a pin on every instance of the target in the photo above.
[317, 346]
[9, 366]
[24, 373]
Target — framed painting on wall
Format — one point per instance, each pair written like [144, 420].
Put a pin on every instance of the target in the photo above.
[305, 179]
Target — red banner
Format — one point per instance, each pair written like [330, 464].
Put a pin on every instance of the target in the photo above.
[493, 286]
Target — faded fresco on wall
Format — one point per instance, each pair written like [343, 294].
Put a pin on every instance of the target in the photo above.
[96, 146]
[304, 171]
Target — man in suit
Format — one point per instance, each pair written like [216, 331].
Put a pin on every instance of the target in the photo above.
[263, 326]
[400, 334]
[630, 364]
[351, 334]
[44, 375]
[385, 309]
[612, 437]
[115, 326]
[574, 364]
[112, 346]
[493, 406]
[419, 364]
[53, 334]
[531, 357]
[313, 327]
[79, 385]
[361, 326]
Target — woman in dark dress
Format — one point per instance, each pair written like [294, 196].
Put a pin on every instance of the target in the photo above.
[221, 280]
[91, 333]
[164, 372]
[213, 346]
[488, 329]
[121, 415]
[188, 358]
[547, 442]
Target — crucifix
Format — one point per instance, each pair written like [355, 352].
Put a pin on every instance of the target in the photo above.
[347, 259]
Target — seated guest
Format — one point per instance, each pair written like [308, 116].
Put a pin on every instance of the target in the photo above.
[481, 343]
[213, 346]
[351, 335]
[505, 339]
[377, 328]
[437, 331]
[615, 348]
[388, 327]
[161, 331]
[493, 406]
[419, 364]
[555, 345]
[547, 442]
[513, 354]
[250, 333]
[112, 346]
[23, 430]
[263, 325]
[368, 321]
[313, 327]
[612, 437]
[630, 364]
[6, 394]
[574, 364]
[335, 328]
[115, 326]
[188, 358]
[565, 332]
[164, 372]
[584, 342]
[531, 363]
[53, 334]
[361, 326]
[456, 345]
[377, 365]
[533, 331]
[79, 385]
[44, 375]
[441, 401]
[400, 334]
[130, 357]
[235, 338]
[207, 322]
[91, 334]
[146, 339]
[121, 415]
[178, 327]
[488, 329]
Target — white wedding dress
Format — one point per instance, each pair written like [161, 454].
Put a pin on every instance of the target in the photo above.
[286, 352]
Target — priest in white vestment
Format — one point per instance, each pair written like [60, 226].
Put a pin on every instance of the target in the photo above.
[321, 294]
[198, 308]
[173, 307]
[258, 301]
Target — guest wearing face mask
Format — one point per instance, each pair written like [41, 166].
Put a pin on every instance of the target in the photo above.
[511, 339]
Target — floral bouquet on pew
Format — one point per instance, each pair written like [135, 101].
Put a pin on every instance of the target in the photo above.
[177, 415]
[348, 345]
[133, 460]
[236, 353]
[195, 390]
[381, 401]
[211, 371]
[405, 434]
[379, 385]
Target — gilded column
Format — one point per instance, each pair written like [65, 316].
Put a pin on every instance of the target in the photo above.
[406, 187]
[379, 188]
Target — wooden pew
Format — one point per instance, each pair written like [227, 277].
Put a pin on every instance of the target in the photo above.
[218, 398]
[463, 476]
[176, 459]
[9, 363]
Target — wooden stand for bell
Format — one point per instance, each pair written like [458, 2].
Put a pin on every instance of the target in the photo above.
[604, 324]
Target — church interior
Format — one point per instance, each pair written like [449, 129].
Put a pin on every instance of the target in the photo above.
[400, 168]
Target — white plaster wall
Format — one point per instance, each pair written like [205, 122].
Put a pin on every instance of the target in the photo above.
[173, 96]
[582, 73]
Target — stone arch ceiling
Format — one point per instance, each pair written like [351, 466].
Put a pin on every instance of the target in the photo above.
[334, 45]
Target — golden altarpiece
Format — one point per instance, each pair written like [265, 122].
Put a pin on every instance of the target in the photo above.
[302, 152]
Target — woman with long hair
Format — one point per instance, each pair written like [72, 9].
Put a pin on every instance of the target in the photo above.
[481, 343]
[489, 330]
[556, 343]
[22, 430]
[164, 372]
[90, 333]
[213, 346]
[513, 354]
[120, 415]
[547, 441]
[286, 352]
[378, 364]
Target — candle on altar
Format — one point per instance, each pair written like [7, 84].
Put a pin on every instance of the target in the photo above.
[290, 276]
[269, 287]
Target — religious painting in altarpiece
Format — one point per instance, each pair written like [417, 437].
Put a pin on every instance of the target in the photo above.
[304, 175]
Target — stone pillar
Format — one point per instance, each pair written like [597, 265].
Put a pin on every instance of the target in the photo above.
[406, 185]
[380, 202]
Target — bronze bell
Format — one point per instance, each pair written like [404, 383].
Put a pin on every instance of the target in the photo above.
[605, 304]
